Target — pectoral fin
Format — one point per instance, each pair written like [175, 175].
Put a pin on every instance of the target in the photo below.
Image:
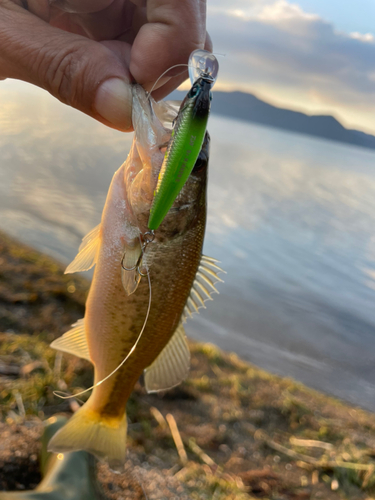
[74, 341]
[87, 252]
[130, 276]
[203, 286]
[172, 365]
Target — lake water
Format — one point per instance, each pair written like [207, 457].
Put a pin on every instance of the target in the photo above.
[291, 218]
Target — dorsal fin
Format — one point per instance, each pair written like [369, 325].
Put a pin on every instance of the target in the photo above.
[172, 365]
[74, 341]
[87, 252]
[203, 286]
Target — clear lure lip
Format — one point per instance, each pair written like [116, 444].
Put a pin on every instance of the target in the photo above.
[203, 64]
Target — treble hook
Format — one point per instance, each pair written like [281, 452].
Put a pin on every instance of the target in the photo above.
[147, 238]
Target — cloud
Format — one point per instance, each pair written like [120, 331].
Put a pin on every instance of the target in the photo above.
[291, 57]
[261, 9]
[366, 37]
[282, 11]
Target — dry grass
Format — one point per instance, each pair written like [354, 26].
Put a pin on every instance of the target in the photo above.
[231, 431]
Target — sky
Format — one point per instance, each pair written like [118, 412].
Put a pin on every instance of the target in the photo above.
[315, 56]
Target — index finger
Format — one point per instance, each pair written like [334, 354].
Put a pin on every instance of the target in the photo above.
[173, 30]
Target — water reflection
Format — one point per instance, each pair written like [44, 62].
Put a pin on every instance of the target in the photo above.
[56, 166]
[291, 218]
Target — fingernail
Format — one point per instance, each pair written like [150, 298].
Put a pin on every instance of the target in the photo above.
[113, 102]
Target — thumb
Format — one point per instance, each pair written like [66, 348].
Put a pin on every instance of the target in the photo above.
[82, 73]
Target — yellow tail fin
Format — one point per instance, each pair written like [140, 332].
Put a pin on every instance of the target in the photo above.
[104, 437]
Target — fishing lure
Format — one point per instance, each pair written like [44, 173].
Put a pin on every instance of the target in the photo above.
[187, 135]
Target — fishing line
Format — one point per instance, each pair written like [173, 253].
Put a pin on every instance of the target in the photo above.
[58, 393]
[140, 484]
[166, 71]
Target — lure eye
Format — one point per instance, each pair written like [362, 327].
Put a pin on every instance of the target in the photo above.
[194, 91]
[201, 162]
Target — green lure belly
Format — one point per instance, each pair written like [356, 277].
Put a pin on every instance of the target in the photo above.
[182, 151]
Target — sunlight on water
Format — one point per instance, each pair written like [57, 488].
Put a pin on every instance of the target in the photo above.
[56, 167]
[290, 217]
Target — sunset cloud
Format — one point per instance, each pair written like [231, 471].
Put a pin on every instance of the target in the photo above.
[281, 11]
[366, 37]
[294, 58]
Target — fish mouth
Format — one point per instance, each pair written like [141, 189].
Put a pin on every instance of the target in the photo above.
[152, 132]
[152, 124]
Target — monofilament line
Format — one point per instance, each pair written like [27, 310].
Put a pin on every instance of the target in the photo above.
[166, 71]
[56, 393]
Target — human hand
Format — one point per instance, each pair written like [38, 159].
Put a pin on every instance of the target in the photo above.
[86, 52]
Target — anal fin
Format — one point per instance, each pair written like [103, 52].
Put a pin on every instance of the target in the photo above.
[74, 341]
[172, 365]
[87, 252]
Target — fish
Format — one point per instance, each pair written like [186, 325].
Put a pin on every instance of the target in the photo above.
[180, 276]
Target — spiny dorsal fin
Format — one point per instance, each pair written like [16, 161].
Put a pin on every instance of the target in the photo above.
[172, 365]
[203, 286]
[87, 252]
[74, 341]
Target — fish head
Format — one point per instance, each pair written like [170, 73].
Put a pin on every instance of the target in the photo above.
[152, 124]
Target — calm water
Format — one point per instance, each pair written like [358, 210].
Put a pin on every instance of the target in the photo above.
[291, 218]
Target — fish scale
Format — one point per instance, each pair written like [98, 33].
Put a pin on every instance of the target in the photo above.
[171, 281]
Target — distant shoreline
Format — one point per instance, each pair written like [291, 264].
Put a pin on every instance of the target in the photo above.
[249, 108]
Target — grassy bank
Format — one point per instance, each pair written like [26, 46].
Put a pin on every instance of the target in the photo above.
[245, 434]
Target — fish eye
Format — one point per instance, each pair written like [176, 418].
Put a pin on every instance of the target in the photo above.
[194, 91]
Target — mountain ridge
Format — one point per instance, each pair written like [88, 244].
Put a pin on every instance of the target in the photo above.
[248, 107]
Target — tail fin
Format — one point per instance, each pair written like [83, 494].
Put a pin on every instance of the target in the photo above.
[104, 437]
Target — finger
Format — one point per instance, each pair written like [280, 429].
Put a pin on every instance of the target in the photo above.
[40, 8]
[176, 81]
[113, 22]
[95, 19]
[170, 86]
[81, 6]
[80, 72]
[208, 43]
[173, 31]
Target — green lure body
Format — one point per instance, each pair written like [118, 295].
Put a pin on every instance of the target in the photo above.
[183, 149]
